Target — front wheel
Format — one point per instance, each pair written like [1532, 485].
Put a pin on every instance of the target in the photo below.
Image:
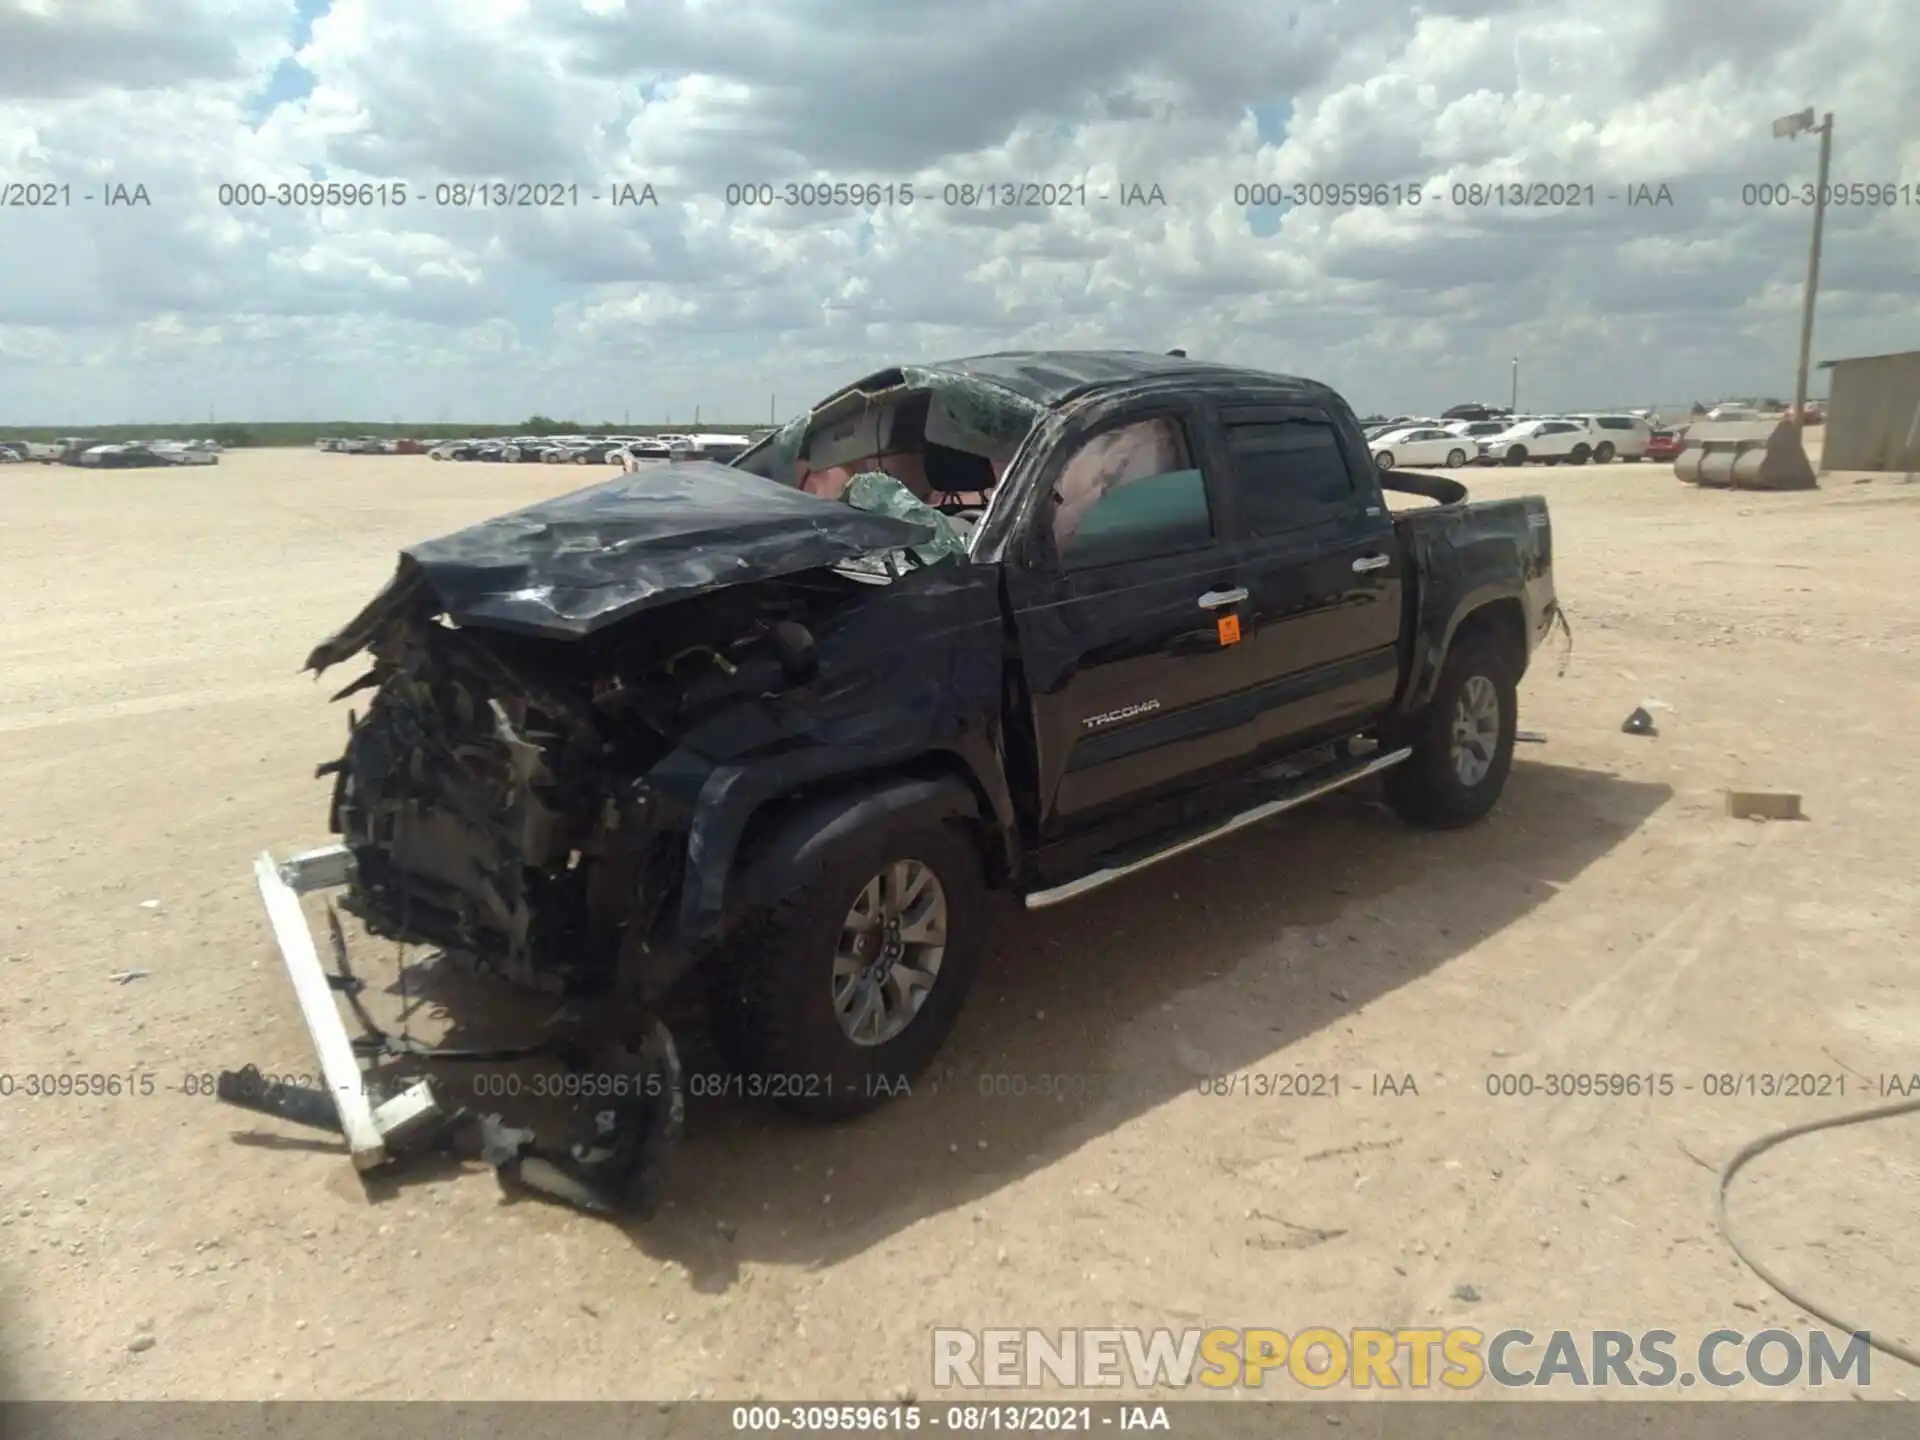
[1581, 454]
[1384, 460]
[1517, 455]
[840, 997]
[1456, 458]
[1462, 741]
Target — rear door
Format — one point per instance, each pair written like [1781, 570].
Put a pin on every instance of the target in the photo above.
[1321, 565]
[1125, 603]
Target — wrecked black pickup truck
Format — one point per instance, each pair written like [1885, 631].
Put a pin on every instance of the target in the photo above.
[770, 732]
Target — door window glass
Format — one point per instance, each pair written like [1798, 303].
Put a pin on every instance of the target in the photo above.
[1130, 493]
[1288, 474]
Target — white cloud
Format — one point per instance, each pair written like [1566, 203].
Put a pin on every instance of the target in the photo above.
[486, 310]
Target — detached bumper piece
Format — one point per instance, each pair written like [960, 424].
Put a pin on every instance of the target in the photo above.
[375, 1131]
[614, 1158]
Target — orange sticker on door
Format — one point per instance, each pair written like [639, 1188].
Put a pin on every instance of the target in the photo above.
[1229, 629]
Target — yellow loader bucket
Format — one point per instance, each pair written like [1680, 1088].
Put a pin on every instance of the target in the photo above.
[1745, 455]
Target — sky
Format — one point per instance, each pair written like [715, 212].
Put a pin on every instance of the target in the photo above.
[1380, 252]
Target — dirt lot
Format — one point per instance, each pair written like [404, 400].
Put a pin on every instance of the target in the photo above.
[154, 737]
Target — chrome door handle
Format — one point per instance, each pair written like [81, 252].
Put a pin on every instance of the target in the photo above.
[1219, 599]
[1371, 562]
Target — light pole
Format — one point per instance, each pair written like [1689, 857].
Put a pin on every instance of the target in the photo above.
[1789, 127]
[1513, 401]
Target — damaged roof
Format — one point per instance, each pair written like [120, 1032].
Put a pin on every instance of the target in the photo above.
[1047, 377]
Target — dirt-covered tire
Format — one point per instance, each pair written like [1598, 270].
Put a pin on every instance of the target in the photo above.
[1456, 458]
[1433, 788]
[774, 1003]
[1604, 454]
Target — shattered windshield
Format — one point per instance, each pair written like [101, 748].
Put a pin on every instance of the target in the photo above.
[913, 443]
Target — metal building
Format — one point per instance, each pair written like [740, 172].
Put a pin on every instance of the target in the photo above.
[1873, 415]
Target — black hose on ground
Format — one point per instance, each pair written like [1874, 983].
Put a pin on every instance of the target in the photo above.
[1898, 1349]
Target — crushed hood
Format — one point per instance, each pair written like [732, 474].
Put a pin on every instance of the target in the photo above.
[570, 566]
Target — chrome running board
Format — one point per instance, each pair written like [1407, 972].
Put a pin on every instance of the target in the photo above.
[1309, 787]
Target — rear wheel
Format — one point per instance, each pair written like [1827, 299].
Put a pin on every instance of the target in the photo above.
[842, 995]
[1581, 454]
[1462, 742]
[1384, 459]
[1456, 458]
[1604, 454]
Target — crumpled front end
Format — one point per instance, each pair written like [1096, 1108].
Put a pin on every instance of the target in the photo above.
[479, 807]
[506, 798]
[548, 696]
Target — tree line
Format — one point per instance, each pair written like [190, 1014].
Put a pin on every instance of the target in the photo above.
[275, 434]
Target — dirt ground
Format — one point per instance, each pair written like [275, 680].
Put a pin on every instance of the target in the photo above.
[155, 737]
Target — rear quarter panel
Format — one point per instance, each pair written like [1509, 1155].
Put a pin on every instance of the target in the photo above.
[1465, 558]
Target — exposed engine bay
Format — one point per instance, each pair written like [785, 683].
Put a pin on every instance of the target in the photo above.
[493, 797]
[493, 792]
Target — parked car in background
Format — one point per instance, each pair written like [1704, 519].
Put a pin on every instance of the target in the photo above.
[186, 452]
[642, 452]
[1621, 437]
[1421, 445]
[1733, 412]
[526, 449]
[12, 453]
[1476, 429]
[1666, 444]
[1551, 441]
[722, 449]
[129, 456]
[599, 452]
[1475, 412]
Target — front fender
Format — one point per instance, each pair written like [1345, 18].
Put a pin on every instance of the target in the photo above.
[793, 855]
[734, 794]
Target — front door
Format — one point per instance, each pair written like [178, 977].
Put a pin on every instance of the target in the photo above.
[1127, 612]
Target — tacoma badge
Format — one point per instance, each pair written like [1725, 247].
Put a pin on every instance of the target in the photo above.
[1127, 712]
